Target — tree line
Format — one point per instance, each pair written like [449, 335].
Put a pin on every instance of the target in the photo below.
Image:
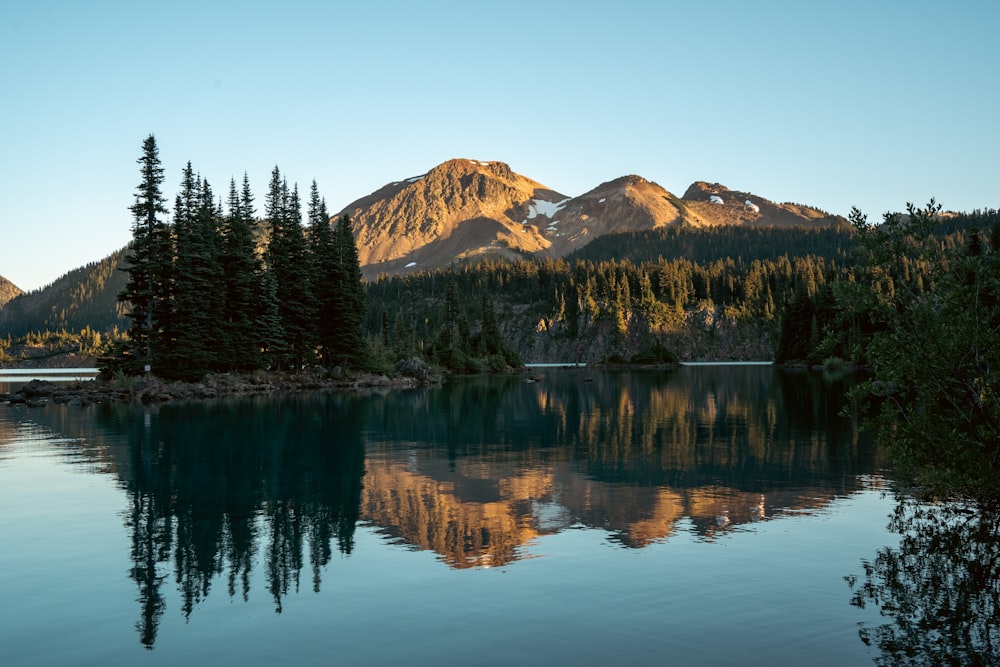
[921, 310]
[635, 308]
[204, 293]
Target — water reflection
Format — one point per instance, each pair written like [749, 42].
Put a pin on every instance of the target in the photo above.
[490, 464]
[210, 487]
[940, 587]
[475, 470]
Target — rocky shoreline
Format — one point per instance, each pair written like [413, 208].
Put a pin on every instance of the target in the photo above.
[144, 390]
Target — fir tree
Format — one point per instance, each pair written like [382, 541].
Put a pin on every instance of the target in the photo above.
[197, 287]
[351, 347]
[290, 260]
[327, 275]
[241, 269]
[147, 262]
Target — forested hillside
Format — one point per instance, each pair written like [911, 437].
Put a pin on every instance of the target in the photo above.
[83, 298]
[700, 293]
[708, 244]
[838, 320]
[723, 293]
[582, 311]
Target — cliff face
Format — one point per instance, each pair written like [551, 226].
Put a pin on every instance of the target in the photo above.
[464, 209]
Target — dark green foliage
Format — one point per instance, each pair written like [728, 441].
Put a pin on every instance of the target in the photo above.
[936, 393]
[83, 298]
[148, 262]
[349, 348]
[619, 301]
[329, 277]
[242, 270]
[452, 346]
[923, 310]
[654, 353]
[709, 244]
[196, 344]
[289, 260]
[215, 304]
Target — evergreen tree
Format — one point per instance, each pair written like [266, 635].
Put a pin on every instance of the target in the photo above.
[198, 289]
[242, 270]
[350, 345]
[271, 336]
[290, 260]
[147, 263]
[452, 345]
[489, 342]
[327, 276]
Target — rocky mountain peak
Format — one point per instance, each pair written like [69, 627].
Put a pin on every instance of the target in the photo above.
[460, 208]
[465, 208]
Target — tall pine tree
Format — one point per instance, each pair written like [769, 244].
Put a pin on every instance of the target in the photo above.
[327, 275]
[198, 289]
[148, 263]
[288, 255]
[351, 346]
[241, 268]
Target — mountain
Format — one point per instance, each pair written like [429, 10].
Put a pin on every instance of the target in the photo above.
[464, 209]
[8, 291]
[84, 297]
[459, 209]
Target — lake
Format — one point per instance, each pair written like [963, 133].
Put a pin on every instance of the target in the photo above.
[706, 515]
[13, 378]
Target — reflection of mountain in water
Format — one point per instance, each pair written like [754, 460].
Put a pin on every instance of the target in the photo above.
[473, 470]
[491, 464]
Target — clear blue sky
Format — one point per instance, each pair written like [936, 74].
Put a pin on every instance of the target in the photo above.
[867, 104]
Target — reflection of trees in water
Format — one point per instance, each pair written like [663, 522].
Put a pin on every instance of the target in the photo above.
[492, 463]
[208, 483]
[940, 587]
[472, 470]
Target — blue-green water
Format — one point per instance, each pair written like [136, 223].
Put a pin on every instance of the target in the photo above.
[700, 516]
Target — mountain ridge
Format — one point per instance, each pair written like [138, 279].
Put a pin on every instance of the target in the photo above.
[465, 208]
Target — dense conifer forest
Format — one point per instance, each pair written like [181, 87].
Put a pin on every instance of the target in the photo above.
[201, 296]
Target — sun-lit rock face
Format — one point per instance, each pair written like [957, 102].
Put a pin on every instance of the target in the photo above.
[459, 209]
[467, 209]
[715, 204]
[8, 291]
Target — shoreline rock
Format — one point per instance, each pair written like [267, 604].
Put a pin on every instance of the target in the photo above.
[145, 390]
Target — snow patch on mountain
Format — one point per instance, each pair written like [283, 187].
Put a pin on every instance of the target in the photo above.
[537, 207]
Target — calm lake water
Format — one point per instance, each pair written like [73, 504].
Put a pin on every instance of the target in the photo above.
[11, 379]
[701, 516]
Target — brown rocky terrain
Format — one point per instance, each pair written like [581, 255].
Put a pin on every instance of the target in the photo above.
[464, 209]
[459, 209]
[8, 291]
[715, 204]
